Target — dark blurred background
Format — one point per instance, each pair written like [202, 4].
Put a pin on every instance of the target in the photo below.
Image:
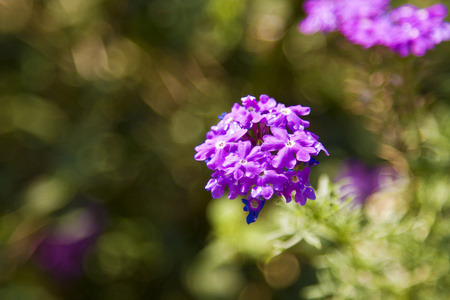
[101, 106]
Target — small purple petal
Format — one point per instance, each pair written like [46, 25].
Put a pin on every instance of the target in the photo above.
[300, 198]
[272, 143]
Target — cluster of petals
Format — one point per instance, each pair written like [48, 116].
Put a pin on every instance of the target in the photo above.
[406, 29]
[260, 150]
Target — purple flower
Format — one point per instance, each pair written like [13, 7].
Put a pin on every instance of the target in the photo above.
[215, 149]
[368, 32]
[64, 246]
[283, 116]
[322, 16]
[331, 15]
[253, 206]
[417, 30]
[266, 104]
[298, 182]
[349, 10]
[260, 150]
[291, 147]
[405, 30]
[219, 182]
[268, 182]
[360, 181]
[244, 161]
[252, 108]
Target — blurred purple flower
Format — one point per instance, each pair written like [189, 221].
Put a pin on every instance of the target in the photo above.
[360, 181]
[331, 15]
[405, 30]
[322, 16]
[368, 32]
[63, 248]
[417, 30]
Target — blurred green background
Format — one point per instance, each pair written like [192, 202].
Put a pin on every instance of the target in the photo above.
[103, 101]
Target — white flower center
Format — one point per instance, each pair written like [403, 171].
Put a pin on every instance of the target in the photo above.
[286, 111]
[290, 144]
[243, 161]
[220, 144]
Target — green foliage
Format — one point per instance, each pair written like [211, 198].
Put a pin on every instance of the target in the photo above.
[329, 220]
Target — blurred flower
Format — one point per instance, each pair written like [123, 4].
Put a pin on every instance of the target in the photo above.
[258, 150]
[405, 30]
[321, 17]
[361, 181]
[331, 15]
[418, 30]
[62, 250]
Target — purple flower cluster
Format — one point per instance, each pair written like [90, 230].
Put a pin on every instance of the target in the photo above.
[405, 30]
[259, 150]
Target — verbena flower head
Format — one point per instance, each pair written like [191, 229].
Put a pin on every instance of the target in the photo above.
[261, 150]
[405, 30]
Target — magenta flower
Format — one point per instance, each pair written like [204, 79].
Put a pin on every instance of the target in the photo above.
[417, 30]
[266, 104]
[268, 183]
[219, 182]
[244, 161]
[260, 150]
[322, 17]
[291, 147]
[298, 182]
[65, 244]
[405, 30]
[215, 150]
[283, 116]
[368, 32]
